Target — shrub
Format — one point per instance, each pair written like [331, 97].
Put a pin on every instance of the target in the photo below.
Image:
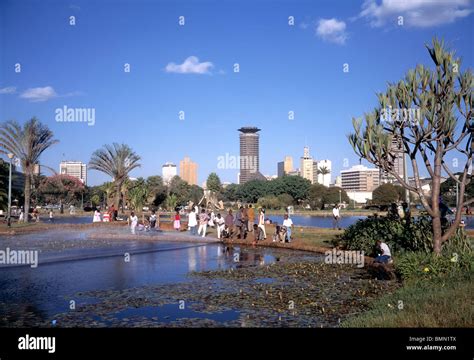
[399, 235]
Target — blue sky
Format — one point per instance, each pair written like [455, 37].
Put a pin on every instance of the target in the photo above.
[282, 68]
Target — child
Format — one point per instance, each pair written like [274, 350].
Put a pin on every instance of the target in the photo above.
[177, 221]
[152, 219]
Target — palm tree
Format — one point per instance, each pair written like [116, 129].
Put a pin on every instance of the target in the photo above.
[323, 170]
[26, 143]
[116, 160]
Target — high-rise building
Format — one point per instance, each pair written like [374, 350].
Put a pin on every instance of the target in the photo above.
[285, 166]
[249, 154]
[360, 178]
[323, 177]
[76, 169]
[307, 166]
[188, 171]
[168, 171]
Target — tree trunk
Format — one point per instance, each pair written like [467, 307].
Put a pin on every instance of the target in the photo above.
[118, 193]
[27, 195]
[437, 234]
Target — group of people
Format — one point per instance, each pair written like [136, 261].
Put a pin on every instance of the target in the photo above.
[238, 225]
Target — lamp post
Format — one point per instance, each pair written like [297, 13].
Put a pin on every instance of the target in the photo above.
[10, 156]
[340, 199]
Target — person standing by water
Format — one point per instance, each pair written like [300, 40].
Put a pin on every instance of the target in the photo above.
[177, 221]
[51, 216]
[192, 222]
[133, 222]
[203, 219]
[251, 216]
[229, 223]
[220, 225]
[96, 216]
[152, 219]
[337, 217]
[288, 223]
[261, 222]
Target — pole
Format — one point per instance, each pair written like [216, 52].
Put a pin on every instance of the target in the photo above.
[340, 199]
[10, 192]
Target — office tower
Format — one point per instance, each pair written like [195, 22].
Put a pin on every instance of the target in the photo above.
[285, 166]
[249, 154]
[76, 169]
[323, 167]
[360, 178]
[188, 171]
[397, 151]
[168, 171]
[307, 166]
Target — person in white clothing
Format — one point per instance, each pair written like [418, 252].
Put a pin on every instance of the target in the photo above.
[385, 256]
[96, 216]
[337, 216]
[261, 222]
[288, 223]
[203, 219]
[192, 222]
[220, 225]
[133, 222]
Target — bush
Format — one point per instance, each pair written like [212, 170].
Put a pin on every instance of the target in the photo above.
[399, 235]
[421, 265]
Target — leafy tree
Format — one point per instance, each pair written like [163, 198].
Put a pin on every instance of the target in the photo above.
[386, 194]
[252, 190]
[137, 194]
[269, 202]
[181, 189]
[332, 196]
[316, 196]
[448, 190]
[195, 193]
[26, 143]
[156, 189]
[117, 161]
[285, 200]
[63, 189]
[213, 183]
[441, 123]
[230, 192]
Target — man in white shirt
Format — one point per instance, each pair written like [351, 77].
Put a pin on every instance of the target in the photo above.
[220, 224]
[289, 226]
[385, 256]
[192, 222]
[337, 216]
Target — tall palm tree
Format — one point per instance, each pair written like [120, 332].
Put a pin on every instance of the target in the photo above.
[26, 143]
[323, 170]
[116, 160]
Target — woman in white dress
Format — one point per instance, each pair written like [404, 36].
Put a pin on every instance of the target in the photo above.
[97, 216]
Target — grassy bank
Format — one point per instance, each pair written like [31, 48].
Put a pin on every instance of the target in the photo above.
[435, 303]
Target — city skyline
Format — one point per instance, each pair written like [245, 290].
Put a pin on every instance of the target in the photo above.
[179, 94]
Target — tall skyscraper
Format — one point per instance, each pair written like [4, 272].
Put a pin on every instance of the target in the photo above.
[249, 154]
[76, 169]
[285, 166]
[168, 171]
[307, 166]
[188, 171]
[360, 178]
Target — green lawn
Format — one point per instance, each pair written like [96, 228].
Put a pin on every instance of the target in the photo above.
[435, 303]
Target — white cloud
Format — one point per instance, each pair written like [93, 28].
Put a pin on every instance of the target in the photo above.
[190, 66]
[332, 30]
[416, 13]
[8, 90]
[39, 94]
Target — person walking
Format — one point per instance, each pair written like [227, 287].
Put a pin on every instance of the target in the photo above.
[261, 222]
[336, 217]
[133, 222]
[251, 217]
[203, 219]
[177, 221]
[192, 222]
